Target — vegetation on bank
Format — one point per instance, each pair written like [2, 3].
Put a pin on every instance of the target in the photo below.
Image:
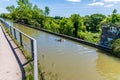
[75, 25]
[84, 27]
[87, 27]
[116, 47]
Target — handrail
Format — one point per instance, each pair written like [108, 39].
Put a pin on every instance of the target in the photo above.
[33, 47]
[24, 33]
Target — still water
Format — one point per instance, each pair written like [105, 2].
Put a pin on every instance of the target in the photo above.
[69, 60]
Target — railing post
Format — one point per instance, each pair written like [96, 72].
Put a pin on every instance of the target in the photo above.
[10, 30]
[21, 39]
[32, 48]
[14, 33]
[35, 61]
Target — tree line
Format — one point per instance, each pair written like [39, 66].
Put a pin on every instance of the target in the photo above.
[85, 27]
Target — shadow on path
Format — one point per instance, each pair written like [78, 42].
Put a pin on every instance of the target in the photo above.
[15, 54]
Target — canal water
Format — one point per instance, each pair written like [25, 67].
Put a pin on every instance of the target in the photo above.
[69, 60]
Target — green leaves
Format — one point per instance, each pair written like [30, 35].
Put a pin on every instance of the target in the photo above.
[65, 27]
[75, 19]
[46, 11]
[75, 25]
[112, 20]
[92, 22]
[10, 8]
[116, 47]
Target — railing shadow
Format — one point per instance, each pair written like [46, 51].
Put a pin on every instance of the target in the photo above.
[16, 56]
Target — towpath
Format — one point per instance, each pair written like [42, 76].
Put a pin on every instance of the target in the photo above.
[10, 68]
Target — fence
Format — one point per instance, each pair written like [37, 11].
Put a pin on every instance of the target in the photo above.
[18, 35]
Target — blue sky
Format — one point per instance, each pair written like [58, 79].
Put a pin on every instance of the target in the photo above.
[68, 7]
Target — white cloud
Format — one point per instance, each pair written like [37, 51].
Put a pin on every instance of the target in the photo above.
[6, 0]
[74, 0]
[111, 1]
[104, 3]
[96, 4]
[110, 5]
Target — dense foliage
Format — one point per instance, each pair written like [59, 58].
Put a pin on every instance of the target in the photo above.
[92, 22]
[87, 27]
[116, 47]
[113, 19]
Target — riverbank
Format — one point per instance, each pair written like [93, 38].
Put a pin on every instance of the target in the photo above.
[107, 49]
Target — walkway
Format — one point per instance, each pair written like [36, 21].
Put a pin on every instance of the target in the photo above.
[9, 67]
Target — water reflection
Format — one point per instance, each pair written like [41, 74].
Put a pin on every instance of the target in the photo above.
[108, 67]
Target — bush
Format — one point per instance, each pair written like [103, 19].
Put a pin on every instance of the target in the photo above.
[82, 35]
[88, 36]
[116, 47]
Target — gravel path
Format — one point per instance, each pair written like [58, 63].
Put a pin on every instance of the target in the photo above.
[9, 67]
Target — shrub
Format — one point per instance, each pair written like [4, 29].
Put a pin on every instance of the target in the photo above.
[116, 47]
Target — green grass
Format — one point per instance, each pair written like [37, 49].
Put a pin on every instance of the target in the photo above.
[29, 71]
[93, 37]
[89, 36]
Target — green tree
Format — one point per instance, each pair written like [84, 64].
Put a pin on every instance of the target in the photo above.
[37, 10]
[58, 17]
[112, 20]
[92, 22]
[47, 11]
[115, 18]
[116, 47]
[24, 2]
[37, 16]
[82, 27]
[11, 9]
[75, 21]
[65, 27]
[87, 22]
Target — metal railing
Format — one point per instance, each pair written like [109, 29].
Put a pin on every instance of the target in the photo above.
[33, 45]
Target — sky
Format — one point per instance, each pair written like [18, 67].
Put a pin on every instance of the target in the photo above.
[67, 7]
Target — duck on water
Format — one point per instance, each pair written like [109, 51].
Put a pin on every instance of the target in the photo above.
[59, 40]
